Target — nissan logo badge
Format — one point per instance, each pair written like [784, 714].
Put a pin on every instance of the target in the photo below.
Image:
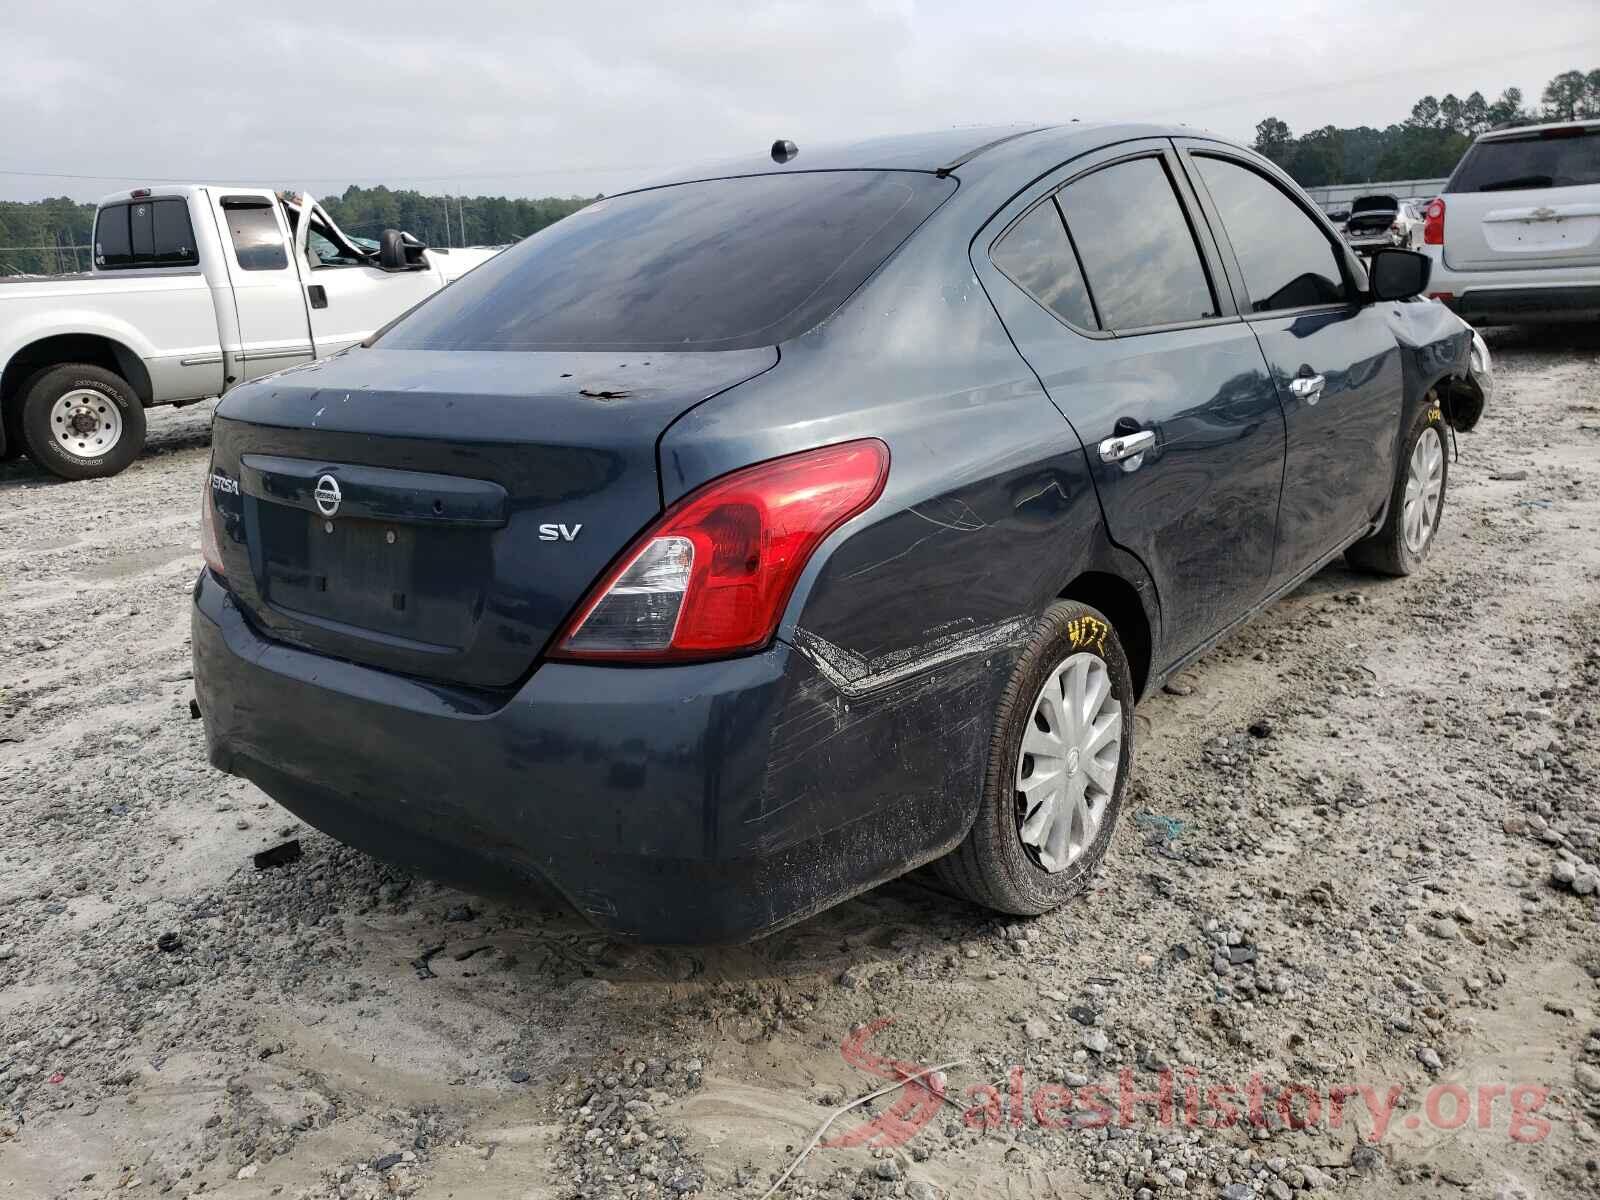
[327, 495]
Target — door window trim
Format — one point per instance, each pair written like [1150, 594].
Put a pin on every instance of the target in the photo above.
[1187, 149]
[1223, 292]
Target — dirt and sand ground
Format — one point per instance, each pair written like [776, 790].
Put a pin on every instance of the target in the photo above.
[1359, 849]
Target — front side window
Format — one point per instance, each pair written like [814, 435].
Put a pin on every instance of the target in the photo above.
[1283, 255]
[146, 233]
[257, 241]
[1138, 252]
[1036, 255]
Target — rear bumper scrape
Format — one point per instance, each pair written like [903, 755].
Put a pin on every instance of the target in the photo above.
[703, 803]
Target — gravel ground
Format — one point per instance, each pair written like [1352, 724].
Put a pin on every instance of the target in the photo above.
[1360, 848]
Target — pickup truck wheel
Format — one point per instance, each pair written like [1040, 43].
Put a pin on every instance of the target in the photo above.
[1415, 505]
[1059, 760]
[81, 422]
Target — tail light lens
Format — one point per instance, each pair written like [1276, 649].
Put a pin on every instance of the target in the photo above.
[712, 576]
[210, 548]
[1433, 224]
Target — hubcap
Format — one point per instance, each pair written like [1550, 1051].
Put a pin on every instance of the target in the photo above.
[1067, 768]
[1424, 488]
[86, 423]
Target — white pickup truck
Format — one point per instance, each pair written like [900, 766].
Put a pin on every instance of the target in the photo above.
[194, 289]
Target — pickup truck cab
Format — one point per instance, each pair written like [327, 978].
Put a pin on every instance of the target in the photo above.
[194, 289]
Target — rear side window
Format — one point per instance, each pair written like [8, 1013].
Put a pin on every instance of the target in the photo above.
[1551, 158]
[722, 264]
[148, 233]
[1138, 251]
[1286, 259]
[1036, 255]
[257, 242]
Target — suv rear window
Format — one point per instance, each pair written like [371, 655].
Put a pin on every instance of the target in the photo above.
[1550, 158]
[723, 264]
[146, 233]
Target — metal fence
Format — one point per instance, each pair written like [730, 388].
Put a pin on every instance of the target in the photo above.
[1341, 195]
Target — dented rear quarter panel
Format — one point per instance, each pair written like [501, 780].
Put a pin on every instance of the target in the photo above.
[906, 625]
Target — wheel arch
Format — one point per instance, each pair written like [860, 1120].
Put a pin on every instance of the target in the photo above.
[92, 348]
[1131, 611]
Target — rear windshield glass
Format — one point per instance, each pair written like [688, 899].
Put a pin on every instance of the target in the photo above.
[723, 264]
[1553, 158]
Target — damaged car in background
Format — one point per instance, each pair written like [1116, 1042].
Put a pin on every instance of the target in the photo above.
[745, 541]
[194, 289]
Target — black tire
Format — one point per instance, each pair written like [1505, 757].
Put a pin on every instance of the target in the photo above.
[105, 388]
[993, 867]
[1386, 552]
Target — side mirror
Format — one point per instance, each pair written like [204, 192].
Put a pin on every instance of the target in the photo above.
[392, 251]
[1398, 274]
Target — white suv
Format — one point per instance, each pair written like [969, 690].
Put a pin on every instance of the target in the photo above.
[1515, 235]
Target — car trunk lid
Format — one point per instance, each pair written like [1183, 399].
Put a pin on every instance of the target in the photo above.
[1371, 215]
[1529, 200]
[439, 515]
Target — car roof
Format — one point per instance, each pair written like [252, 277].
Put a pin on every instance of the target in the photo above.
[969, 150]
[1513, 131]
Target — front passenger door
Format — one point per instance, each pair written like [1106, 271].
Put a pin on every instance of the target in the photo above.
[1333, 357]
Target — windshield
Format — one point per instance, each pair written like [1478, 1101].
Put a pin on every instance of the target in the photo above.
[723, 264]
[1550, 158]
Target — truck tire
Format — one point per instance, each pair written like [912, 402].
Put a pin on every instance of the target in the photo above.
[81, 422]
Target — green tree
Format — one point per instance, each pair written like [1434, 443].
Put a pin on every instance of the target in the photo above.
[1572, 95]
[1273, 139]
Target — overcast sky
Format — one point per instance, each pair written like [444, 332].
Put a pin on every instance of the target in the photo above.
[516, 98]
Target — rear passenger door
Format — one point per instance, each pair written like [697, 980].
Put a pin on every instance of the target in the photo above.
[1333, 357]
[1112, 293]
[273, 328]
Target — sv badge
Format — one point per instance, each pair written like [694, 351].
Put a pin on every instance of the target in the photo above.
[559, 533]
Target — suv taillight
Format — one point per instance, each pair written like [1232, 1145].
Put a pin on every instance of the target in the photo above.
[1433, 223]
[210, 548]
[712, 576]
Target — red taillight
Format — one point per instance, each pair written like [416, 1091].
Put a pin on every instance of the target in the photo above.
[1433, 224]
[712, 576]
[210, 548]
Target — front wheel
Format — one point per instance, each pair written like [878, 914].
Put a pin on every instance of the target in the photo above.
[1416, 502]
[81, 422]
[1059, 759]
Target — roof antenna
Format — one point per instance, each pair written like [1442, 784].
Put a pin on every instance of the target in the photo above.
[783, 150]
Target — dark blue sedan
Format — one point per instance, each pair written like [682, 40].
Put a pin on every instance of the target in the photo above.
[742, 542]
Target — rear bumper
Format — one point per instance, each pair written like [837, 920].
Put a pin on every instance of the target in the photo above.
[1517, 295]
[703, 803]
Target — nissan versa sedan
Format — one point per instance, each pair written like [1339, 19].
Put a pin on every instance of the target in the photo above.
[745, 541]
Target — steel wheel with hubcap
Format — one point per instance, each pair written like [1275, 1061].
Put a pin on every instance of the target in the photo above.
[1416, 501]
[1067, 770]
[1424, 489]
[1059, 759]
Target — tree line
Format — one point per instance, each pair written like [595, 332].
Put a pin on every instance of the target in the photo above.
[53, 236]
[1428, 143]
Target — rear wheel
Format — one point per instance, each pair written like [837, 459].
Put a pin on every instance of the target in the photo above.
[1416, 503]
[1059, 760]
[81, 422]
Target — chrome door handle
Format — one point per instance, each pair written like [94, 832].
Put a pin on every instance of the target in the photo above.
[1127, 449]
[1308, 387]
